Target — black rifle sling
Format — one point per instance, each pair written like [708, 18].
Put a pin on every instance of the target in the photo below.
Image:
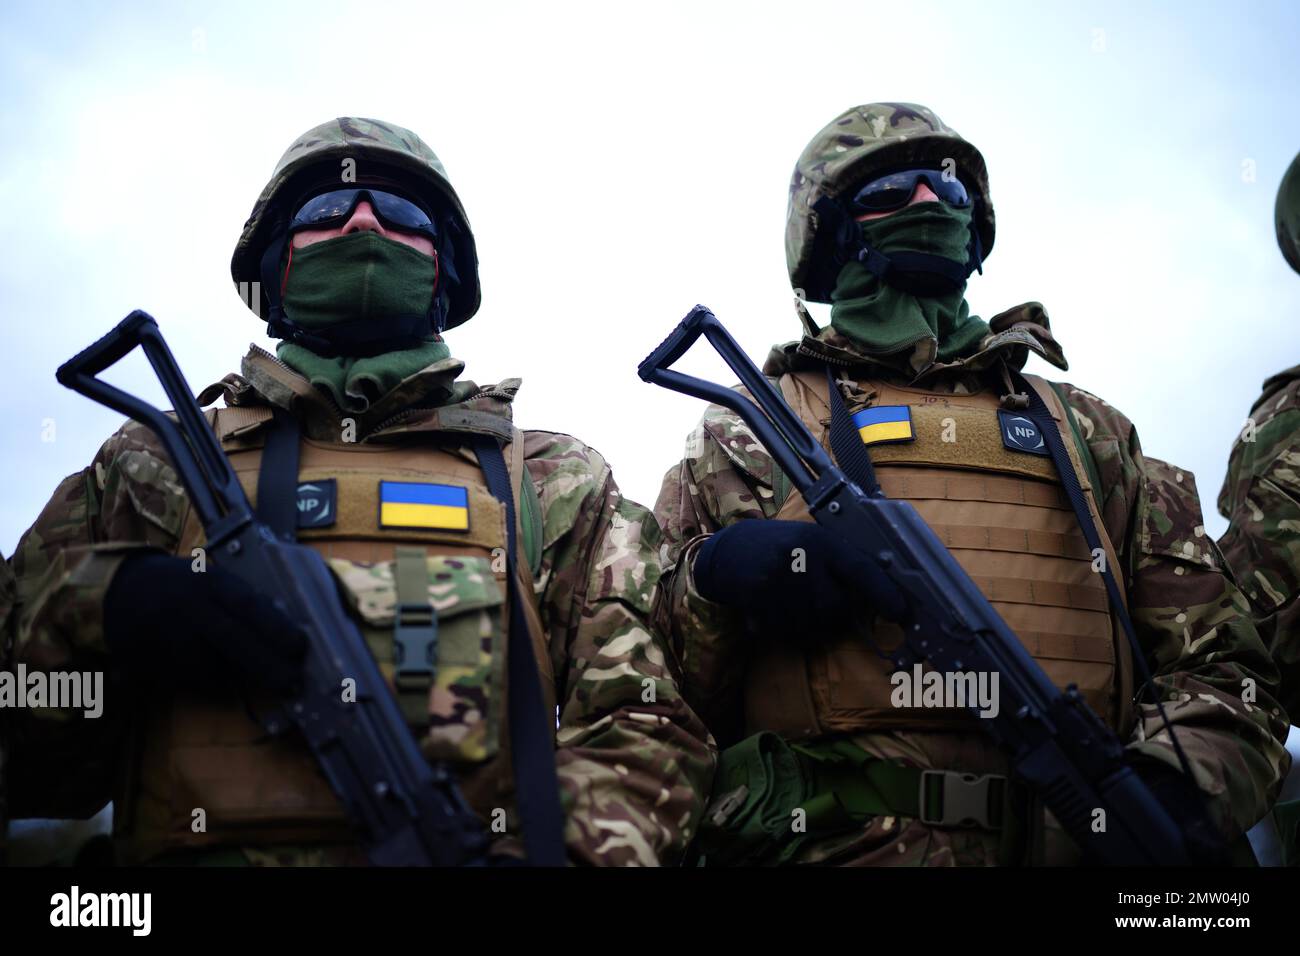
[532, 747]
[277, 477]
[1039, 414]
[850, 452]
[846, 443]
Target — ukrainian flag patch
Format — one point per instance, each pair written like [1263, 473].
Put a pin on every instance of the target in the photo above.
[416, 504]
[884, 423]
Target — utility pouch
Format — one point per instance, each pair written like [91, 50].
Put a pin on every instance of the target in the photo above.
[752, 819]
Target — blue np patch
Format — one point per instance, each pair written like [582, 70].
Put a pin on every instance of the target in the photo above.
[317, 503]
[1021, 434]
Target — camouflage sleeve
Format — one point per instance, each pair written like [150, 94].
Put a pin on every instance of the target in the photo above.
[1261, 500]
[724, 476]
[634, 760]
[1207, 661]
[127, 499]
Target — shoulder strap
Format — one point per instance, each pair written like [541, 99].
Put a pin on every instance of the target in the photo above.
[1085, 453]
[277, 478]
[1054, 398]
[780, 480]
[532, 746]
[530, 506]
[1082, 462]
[847, 445]
[1041, 416]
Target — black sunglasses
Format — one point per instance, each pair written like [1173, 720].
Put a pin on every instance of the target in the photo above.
[337, 205]
[895, 190]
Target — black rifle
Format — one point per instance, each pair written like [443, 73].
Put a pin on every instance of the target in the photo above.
[1056, 744]
[406, 811]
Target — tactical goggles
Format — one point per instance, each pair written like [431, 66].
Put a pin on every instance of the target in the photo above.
[895, 191]
[336, 207]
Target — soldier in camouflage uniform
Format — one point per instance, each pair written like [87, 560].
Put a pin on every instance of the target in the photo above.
[889, 212]
[1261, 492]
[361, 285]
[1261, 499]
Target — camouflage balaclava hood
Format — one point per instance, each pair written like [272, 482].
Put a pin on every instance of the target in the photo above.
[859, 145]
[882, 320]
[358, 278]
[347, 152]
[1286, 215]
[897, 280]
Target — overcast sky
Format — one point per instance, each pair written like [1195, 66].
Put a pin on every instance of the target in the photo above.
[619, 166]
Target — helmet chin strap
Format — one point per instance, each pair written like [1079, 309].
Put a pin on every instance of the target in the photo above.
[916, 273]
[359, 337]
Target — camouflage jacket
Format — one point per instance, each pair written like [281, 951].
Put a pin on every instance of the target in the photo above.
[1190, 618]
[1261, 499]
[633, 774]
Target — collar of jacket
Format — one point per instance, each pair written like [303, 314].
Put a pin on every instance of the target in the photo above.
[419, 403]
[1014, 333]
[1275, 384]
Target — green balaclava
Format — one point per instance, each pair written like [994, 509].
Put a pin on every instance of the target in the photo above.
[882, 320]
[355, 277]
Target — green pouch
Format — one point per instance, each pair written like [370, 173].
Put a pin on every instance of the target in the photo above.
[759, 785]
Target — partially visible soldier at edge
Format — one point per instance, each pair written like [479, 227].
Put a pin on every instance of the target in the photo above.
[1261, 500]
[889, 213]
[365, 257]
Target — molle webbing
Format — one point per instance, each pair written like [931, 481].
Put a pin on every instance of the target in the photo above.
[259, 791]
[357, 496]
[1006, 519]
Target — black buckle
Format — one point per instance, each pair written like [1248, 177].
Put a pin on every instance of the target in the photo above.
[965, 799]
[415, 640]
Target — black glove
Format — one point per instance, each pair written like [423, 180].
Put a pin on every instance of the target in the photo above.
[165, 621]
[792, 574]
[1185, 803]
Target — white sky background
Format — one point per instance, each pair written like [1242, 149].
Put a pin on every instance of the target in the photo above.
[620, 165]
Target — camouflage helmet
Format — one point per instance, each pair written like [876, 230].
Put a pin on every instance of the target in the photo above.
[859, 144]
[1286, 214]
[380, 152]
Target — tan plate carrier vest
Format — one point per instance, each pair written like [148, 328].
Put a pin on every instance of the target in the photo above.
[1005, 517]
[192, 752]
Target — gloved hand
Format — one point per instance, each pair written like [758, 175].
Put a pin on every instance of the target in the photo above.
[1186, 804]
[165, 621]
[792, 574]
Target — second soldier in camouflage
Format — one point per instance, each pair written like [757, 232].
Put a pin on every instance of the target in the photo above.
[889, 212]
[1261, 500]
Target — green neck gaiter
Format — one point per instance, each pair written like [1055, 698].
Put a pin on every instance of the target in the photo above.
[882, 320]
[358, 276]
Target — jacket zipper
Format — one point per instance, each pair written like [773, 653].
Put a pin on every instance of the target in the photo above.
[829, 359]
